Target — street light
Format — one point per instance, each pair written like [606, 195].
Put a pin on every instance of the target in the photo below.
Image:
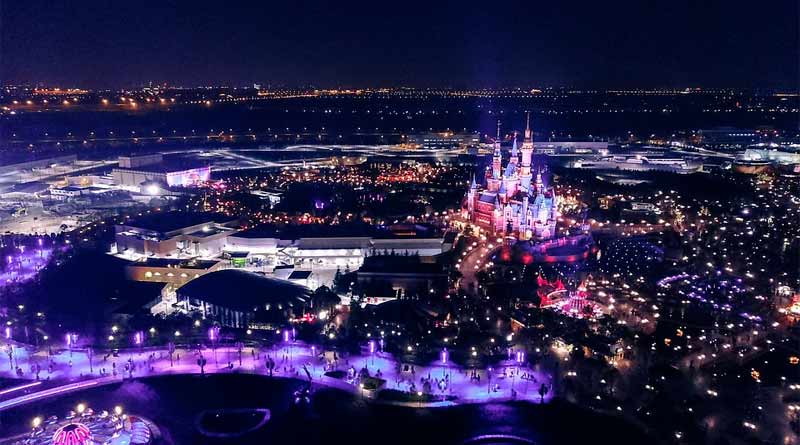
[287, 339]
[70, 341]
[372, 350]
[213, 336]
[138, 339]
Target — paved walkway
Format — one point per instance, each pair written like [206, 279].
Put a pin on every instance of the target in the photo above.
[67, 371]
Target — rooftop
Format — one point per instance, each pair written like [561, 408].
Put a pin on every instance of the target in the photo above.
[169, 165]
[399, 264]
[244, 291]
[170, 221]
[300, 275]
[297, 231]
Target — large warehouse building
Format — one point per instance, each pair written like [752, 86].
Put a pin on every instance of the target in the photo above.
[135, 171]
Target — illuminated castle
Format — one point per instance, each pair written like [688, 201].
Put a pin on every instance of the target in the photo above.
[511, 204]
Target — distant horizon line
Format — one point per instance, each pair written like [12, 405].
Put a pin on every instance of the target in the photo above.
[373, 88]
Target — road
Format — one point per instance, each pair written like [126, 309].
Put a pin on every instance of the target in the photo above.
[471, 261]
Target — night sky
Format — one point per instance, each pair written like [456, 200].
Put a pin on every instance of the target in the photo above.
[607, 44]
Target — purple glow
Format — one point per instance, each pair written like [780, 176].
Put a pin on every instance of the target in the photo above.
[138, 338]
[372, 346]
[8, 332]
[189, 177]
[24, 266]
[520, 357]
[444, 356]
[286, 336]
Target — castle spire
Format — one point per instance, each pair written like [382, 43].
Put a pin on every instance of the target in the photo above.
[528, 134]
[497, 156]
[527, 154]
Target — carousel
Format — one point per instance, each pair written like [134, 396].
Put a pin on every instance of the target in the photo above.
[84, 426]
[575, 303]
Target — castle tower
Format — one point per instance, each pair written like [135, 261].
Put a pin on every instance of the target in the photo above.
[514, 152]
[472, 195]
[497, 219]
[527, 153]
[497, 157]
[525, 219]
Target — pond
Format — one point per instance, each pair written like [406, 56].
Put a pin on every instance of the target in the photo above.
[175, 403]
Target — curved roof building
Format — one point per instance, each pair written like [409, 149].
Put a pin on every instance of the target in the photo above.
[241, 299]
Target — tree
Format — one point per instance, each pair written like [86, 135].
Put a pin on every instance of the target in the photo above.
[543, 390]
[324, 298]
[337, 277]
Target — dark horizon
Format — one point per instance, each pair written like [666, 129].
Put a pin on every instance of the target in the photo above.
[452, 45]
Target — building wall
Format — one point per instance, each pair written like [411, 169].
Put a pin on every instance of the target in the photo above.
[146, 247]
[140, 161]
[177, 276]
[252, 245]
[190, 177]
[224, 316]
[411, 246]
[135, 178]
[207, 246]
[403, 283]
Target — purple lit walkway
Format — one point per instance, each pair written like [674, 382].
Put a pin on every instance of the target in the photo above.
[24, 265]
[71, 372]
